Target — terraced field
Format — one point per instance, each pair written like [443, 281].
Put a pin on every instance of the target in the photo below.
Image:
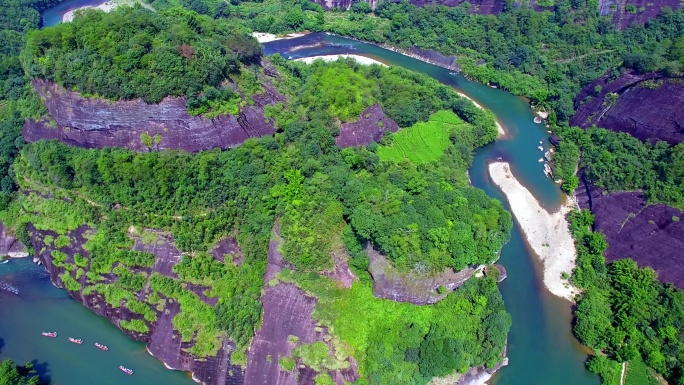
[639, 374]
[423, 142]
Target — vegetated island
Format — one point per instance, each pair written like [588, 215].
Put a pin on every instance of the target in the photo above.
[547, 233]
[250, 264]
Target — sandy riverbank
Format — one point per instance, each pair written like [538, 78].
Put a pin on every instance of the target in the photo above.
[264, 37]
[547, 233]
[106, 7]
[360, 59]
[502, 132]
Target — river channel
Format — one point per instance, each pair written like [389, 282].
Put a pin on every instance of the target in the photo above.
[541, 348]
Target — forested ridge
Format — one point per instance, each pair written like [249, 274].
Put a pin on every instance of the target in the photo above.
[428, 220]
[624, 314]
[422, 215]
[547, 56]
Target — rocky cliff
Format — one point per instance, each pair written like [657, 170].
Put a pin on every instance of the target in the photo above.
[370, 127]
[9, 245]
[485, 7]
[163, 341]
[287, 322]
[98, 123]
[622, 16]
[642, 11]
[647, 106]
[652, 235]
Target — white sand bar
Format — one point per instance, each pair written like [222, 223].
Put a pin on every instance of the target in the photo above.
[360, 59]
[263, 37]
[547, 233]
[499, 128]
[106, 7]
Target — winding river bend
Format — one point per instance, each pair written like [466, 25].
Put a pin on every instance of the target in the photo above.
[541, 347]
[542, 350]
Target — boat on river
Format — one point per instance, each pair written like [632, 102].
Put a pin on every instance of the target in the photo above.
[77, 341]
[101, 347]
[125, 370]
[49, 334]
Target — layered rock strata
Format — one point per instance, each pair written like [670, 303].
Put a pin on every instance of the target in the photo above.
[652, 235]
[163, 341]
[647, 106]
[99, 123]
[287, 318]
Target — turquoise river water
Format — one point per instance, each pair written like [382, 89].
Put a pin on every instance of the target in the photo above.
[541, 349]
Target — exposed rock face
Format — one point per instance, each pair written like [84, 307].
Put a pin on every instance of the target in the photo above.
[227, 247]
[420, 290]
[162, 341]
[617, 8]
[341, 271]
[287, 312]
[485, 7]
[370, 127]
[648, 106]
[98, 123]
[623, 18]
[10, 246]
[648, 234]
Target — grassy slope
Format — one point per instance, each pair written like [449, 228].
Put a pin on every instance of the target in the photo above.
[423, 142]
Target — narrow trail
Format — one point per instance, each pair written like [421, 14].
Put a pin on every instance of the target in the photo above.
[623, 374]
[563, 61]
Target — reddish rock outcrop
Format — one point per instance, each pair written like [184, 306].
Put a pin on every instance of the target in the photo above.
[99, 123]
[648, 106]
[9, 245]
[652, 235]
[163, 341]
[287, 312]
[644, 10]
[370, 127]
[227, 247]
[388, 283]
[484, 7]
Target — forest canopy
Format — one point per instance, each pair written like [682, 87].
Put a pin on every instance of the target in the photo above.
[135, 53]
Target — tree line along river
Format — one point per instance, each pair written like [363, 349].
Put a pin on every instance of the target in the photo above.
[541, 347]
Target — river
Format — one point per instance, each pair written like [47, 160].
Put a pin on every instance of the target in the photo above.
[541, 347]
[30, 304]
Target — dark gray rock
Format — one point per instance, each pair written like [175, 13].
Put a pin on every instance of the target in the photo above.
[162, 340]
[648, 234]
[287, 311]
[99, 123]
[9, 245]
[418, 289]
[370, 127]
[227, 247]
[648, 107]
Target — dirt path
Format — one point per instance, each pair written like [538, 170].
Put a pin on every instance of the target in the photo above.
[624, 373]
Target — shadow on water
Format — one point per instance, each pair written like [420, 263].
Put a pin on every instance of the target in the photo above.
[42, 370]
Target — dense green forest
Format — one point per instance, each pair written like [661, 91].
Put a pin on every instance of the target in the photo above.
[412, 203]
[139, 54]
[546, 56]
[422, 214]
[619, 162]
[624, 314]
[11, 374]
